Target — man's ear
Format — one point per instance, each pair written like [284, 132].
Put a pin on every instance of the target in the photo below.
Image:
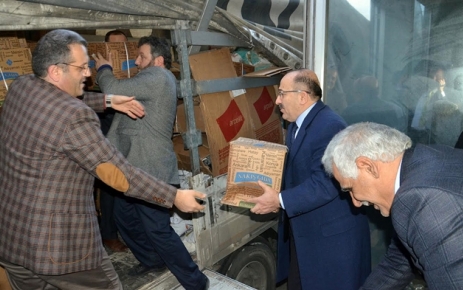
[367, 165]
[54, 73]
[159, 61]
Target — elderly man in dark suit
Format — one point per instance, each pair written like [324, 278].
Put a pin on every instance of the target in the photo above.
[421, 188]
[323, 241]
[51, 150]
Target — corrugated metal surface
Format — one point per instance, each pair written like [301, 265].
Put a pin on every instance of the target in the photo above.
[273, 26]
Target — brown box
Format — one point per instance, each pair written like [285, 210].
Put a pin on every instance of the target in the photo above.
[265, 116]
[180, 120]
[12, 42]
[242, 68]
[249, 161]
[123, 56]
[183, 156]
[226, 114]
[13, 63]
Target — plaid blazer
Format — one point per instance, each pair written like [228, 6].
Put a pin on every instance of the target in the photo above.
[51, 150]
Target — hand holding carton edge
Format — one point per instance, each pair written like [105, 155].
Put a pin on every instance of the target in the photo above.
[251, 160]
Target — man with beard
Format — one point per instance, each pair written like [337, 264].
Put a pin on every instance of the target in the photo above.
[144, 227]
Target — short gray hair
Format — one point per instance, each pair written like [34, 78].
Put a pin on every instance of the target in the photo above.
[53, 48]
[375, 141]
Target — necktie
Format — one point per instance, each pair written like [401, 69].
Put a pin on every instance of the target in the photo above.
[294, 132]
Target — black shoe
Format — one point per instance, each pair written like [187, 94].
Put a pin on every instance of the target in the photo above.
[206, 286]
[140, 269]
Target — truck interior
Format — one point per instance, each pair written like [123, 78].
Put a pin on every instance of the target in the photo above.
[396, 62]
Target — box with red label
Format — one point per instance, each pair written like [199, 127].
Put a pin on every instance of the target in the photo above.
[265, 116]
[123, 56]
[226, 114]
[13, 63]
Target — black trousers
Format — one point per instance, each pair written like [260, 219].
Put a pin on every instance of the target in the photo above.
[146, 230]
[294, 277]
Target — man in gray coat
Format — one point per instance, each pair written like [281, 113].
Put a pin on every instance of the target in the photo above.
[420, 187]
[147, 143]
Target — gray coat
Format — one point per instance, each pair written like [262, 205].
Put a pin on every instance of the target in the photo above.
[146, 142]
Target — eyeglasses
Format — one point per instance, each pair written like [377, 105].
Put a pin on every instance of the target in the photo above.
[82, 68]
[283, 93]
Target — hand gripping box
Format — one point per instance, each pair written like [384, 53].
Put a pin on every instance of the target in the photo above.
[251, 160]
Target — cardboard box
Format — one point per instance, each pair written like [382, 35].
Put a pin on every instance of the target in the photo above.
[226, 115]
[12, 42]
[249, 161]
[265, 115]
[123, 56]
[183, 156]
[180, 120]
[268, 72]
[242, 68]
[13, 63]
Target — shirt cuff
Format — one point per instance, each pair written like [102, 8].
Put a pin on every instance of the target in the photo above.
[104, 66]
[281, 201]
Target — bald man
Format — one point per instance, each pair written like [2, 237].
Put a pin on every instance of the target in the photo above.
[323, 241]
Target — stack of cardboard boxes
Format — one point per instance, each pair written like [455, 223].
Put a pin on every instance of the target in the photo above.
[123, 56]
[15, 60]
[226, 116]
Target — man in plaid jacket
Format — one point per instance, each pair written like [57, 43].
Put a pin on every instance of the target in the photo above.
[51, 150]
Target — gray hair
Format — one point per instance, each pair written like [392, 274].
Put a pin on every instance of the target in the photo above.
[375, 141]
[53, 48]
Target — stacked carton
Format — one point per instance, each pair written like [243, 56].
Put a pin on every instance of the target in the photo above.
[15, 60]
[226, 116]
[123, 56]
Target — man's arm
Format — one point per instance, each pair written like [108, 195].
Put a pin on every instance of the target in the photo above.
[394, 272]
[428, 221]
[85, 144]
[124, 104]
[318, 188]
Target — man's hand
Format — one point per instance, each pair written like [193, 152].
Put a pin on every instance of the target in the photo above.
[100, 60]
[266, 203]
[185, 200]
[128, 105]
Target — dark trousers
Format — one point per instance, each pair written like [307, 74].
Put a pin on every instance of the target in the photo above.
[103, 277]
[108, 226]
[294, 277]
[146, 230]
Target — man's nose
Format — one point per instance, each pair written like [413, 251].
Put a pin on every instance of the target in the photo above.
[354, 201]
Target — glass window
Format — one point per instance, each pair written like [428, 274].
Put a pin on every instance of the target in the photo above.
[399, 63]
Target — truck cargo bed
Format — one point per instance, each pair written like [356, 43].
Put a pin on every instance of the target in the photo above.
[124, 261]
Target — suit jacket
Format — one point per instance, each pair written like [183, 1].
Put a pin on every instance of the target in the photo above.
[51, 150]
[146, 142]
[331, 237]
[427, 217]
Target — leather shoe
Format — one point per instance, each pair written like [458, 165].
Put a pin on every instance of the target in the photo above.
[115, 245]
[207, 284]
[141, 269]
